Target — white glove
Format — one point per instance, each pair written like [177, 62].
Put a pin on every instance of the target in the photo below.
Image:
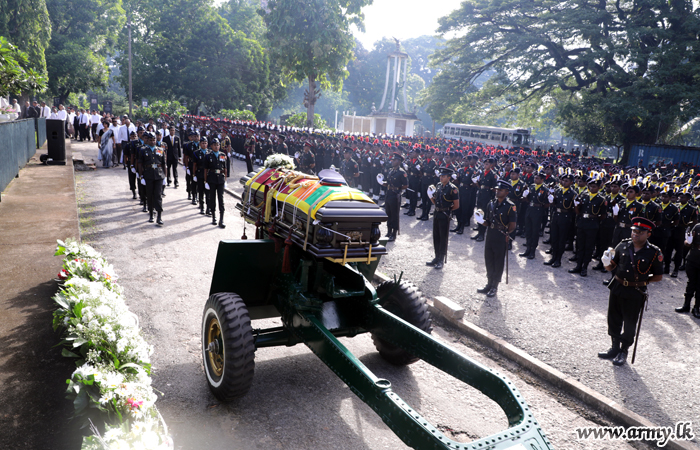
[616, 209]
[296, 155]
[143, 181]
[576, 202]
[369, 159]
[133, 170]
[430, 191]
[380, 178]
[164, 182]
[188, 172]
[206, 186]
[437, 172]
[526, 192]
[550, 198]
[195, 178]
[382, 162]
[454, 176]
[479, 216]
[607, 256]
[689, 238]
[475, 179]
[225, 184]
[551, 191]
[417, 166]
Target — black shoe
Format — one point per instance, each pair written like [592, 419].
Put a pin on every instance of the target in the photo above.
[549, 262]
[674, 274]
[576, 269]
[392, 237]
[599, 266]
[475, 229]
[607, 282]
[194, 201]
[411, 213]
[150, 217]
[696, 312]
[484, 290]
[584, 272]
[454, 230]
[573, 258]
[546, 241]
[611, 352]
[201, 211]
[683, 309]
[492, 292]
[548, 251]
[432, 263]
[531, 255]
[208, 213]
[460, 231]
[168, 182]
[144, 209]
[159, 221]
[556, 264]
[176, 185]
[213, 219]
[406, 205]
[682, 267]
[439, 265]
[134, 197]
[620, 358]
[525, 254]
[479, 238]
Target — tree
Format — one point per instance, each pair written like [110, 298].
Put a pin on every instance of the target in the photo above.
[26, 24]
[84, 35]
[15, 74]
[200, 60]
[161, 108]
[237, 114]
[299, 120]
[242, 15]
[311, 40]
[633, 64]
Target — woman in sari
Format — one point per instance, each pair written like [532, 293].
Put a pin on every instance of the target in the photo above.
[106, 146]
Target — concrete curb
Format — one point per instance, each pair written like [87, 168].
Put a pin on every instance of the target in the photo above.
[593, 399]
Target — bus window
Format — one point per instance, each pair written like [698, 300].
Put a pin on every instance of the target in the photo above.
[495, 136]
[526, 141]
[450, 131]
[475, 133]
[517, 139]
[484, 135]
[505, 137]
[464, 132]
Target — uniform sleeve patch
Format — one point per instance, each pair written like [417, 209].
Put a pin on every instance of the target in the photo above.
[514, 208]
[454, 191]
[661, 257]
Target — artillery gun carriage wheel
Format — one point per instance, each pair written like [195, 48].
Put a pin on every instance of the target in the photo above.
[406, 302]
[228, 348]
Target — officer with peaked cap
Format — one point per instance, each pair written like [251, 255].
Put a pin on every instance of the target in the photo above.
[590, 211]
[634, 263]
[215, 174]
[446, 200]
[395, 182]
[152, 169]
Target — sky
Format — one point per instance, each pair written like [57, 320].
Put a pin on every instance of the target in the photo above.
[402, 20]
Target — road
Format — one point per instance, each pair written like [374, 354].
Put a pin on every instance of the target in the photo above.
[295, 401]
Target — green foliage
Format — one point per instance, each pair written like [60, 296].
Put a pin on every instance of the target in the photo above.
[311, 40]
[299, 120]
[199, 58]
[242, 15]
[26, 24]
[161, 108]
[84, 35]
[237, 114]
[15, 74]
[632, 66]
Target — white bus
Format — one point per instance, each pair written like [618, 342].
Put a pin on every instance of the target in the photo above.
[505, 137]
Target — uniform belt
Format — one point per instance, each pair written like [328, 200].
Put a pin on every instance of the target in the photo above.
[564, 210]
[216, 171]
[442, 209]
[538, 205]
[393, 188]
[622, 225]
[590, 216]
[497, 227]
[484, 187]
[154, 166]
[631, 283]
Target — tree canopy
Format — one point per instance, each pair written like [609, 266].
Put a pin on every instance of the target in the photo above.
[15, 74]
[631, 65]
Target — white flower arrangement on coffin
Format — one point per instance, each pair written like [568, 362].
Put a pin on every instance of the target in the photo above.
[279, 161]
[113, 358]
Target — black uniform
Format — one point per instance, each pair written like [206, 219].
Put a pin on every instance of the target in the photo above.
[414, 175]
[129, 153]
[536, 209]
[215, 165]
[249, 147]
[627, 211]
[562, 222]
[428, 178]
[467, 196]
[349, 169]
[498, 217]
[396, 181]
[198, 171]
[189, 149]
[152, 162]
[626, 302]
[487, 182]
[174, 153]
[692, 270]
[306, 162]
[445, 196]
[590, 213]
[670, 218]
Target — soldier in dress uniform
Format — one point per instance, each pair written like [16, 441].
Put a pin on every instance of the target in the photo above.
[446, 200]
[500, 220]
[174, 154]
[188, 160]
[607, 226]
[692, 269]
[129, 153]
[670, 219]
[538, 197]
[152, 170]
[635, 263]
[486, 180]
[427, 179]
[215, 174]
[349, 168]
[307, 159]
[689, 217]
[395, 183]
[249, 148]
[467, 194]
[281, 146]
[414, 174]
[590, 210]
[563, 216]
[198, 173]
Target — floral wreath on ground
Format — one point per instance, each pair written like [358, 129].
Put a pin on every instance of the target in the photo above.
[112, 381]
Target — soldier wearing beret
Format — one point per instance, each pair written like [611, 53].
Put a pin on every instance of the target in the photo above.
[249, 148]
[500, 220]
[635, 263]
[215, 174]
[152, 170]
[395, 182]
[446, 200]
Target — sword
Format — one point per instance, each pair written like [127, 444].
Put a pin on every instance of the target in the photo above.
[639, 326]
[507, 236]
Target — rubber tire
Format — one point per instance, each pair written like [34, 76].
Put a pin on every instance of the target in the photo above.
[239, 346]
[407, 302]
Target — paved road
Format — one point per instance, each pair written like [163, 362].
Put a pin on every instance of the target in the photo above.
[295, 401]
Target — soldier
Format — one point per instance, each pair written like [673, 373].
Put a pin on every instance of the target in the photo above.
[174, 154]
[281, 146]
[396, 181]
[198, 173]
[188, 160]
[152, 170]
[130, 151]
[486, 181]
[538, 196]
[692, 269]
[635, 263]
[446, 200]
[427, 179]
[590, 210]
[413, 170]
[689, 217]
[349, 168]
[467, 194]
[670, 219]
[607, 226]
[307, 160]
[249, 148]
[215, 174]
[500, 221]
[562, 219]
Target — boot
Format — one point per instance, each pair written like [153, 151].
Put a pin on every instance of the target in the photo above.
[208, 211]
[686, 305]
[525, 254]
[573, 259]
[410, 213]
[201, 209]
[461, 230]
[612, 351]
[696, 311]
[599, 266]
[455, 229]
[576, 269]
[556, 263]
[145, 209]
[439, 264]
[485, 289]
[213, 218]
[150, 217]
[392, 236]
[584, 270]
[388, 232]
[478, 238]
[134, 197]
[432, 263]
[674, 274]
[492, 292]
[159, 221]
[221, 220]
[621, 357]
[549, 262]
[194, 200]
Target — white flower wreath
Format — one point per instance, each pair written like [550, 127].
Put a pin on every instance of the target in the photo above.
[279, 161]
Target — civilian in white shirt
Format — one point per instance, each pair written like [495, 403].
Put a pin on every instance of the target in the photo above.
[54, 114]
[84, 124]
[69, 122]
[63, 115]
[95, 120]
[45, 110]
[17, 108]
